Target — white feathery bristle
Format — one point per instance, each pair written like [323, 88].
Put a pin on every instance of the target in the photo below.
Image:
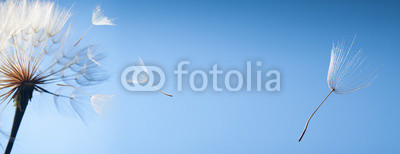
[100, 101]
[91, 57]
[58, 18]
[141, 74]
[348, 71]
[98, 17]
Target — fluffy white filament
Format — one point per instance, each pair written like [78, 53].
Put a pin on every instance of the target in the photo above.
[141, 76]
[348, 71]
[98, 17]
[100, 101]
[143, 73]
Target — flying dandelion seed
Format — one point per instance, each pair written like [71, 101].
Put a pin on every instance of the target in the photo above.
[143, 77]
[347, 73]
[34, 53]
[98, 18]
[97, 101]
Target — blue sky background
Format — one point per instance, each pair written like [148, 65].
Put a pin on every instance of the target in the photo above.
[294, 37]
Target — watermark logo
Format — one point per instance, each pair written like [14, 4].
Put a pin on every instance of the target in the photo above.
[152, 78]
[142, 78]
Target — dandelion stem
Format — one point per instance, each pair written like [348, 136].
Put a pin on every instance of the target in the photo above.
[19, 113]
[21, 99]
[305, 128]
[83, 35]
[161, 90]
[164, 93]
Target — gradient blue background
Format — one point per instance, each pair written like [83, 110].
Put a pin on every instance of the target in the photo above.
[293, 37]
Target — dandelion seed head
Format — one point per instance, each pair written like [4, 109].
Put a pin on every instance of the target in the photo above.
[35, 52]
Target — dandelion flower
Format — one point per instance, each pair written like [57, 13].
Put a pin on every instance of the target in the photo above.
[98, 18]
[35, 57]
[347, 73]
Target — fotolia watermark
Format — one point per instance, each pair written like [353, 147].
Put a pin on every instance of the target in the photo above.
[152, 78]
[143, 78]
